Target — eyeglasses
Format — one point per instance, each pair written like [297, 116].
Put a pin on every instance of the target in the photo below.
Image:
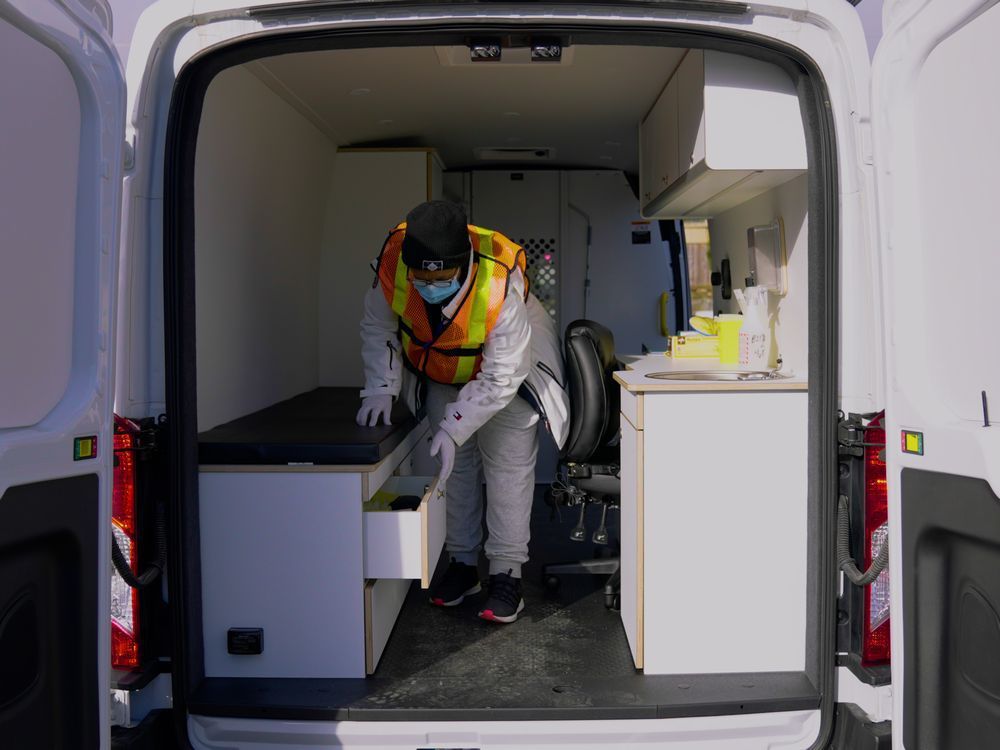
[436, 283]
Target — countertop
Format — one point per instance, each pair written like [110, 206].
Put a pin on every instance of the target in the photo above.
[635, 379]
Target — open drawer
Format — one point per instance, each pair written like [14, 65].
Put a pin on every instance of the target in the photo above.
[405, 543]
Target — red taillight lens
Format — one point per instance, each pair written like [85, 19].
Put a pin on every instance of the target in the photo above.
[124, 600]
[875, 647]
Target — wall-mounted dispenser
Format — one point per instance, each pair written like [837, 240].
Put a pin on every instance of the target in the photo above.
[766, 255]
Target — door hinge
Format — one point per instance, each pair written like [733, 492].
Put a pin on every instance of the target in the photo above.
[865, 141]
[128, 154]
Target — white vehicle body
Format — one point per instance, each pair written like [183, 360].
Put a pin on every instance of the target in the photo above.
[914, 145]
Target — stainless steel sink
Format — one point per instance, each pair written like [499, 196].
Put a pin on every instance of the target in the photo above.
[717, 375]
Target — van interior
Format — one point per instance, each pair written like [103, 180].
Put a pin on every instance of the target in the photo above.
[632, 170]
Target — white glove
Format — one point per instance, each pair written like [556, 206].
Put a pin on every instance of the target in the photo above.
[443, 444]
[373, 407]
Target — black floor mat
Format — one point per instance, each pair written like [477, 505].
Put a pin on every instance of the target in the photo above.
[449, 658]
[565, 658]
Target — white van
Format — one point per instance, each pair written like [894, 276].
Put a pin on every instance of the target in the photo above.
[180, 288]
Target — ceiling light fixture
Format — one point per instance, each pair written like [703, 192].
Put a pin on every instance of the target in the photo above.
[485, 50]
[546, 50]
[360, 92]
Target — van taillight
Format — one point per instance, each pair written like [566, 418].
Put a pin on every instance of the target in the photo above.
[875, 647]
[124, 600]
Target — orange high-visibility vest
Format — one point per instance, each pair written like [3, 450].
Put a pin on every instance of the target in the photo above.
[455, 355]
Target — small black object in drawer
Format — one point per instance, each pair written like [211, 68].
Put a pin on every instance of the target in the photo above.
[406, 502]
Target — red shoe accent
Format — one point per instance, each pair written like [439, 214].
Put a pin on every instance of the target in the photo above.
[439, 601]
[487, 614]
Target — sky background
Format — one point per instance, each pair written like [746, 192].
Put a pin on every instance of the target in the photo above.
[126, 13]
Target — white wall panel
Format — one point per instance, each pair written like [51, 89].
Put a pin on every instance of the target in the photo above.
[626, 279]
[728, 233]
[371, 193]
[261, 181]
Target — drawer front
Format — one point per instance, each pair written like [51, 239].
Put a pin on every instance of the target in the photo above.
[383, 600]
[406, 543]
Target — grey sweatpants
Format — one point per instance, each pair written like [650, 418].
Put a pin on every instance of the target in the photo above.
[503, 451]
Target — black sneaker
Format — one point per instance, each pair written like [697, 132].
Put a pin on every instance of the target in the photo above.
[504, 603]
[458, 582]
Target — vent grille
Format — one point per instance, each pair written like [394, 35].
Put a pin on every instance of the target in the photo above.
[543, 272]
[521, 153]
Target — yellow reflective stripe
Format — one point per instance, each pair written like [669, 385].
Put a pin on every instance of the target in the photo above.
[463, 369]
[480, 304]
[481, 294]
[400, 288]
[485, 238]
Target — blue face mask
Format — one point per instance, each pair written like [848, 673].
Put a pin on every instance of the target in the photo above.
[435, 295]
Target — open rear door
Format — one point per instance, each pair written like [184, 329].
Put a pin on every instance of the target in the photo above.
[61, 131]
[936, 113]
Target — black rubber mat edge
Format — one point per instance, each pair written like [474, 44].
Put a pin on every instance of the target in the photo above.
[658, 697]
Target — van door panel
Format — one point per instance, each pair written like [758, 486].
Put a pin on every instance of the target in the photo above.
[951, 611]
[48, 614]
[61, 135]
[935, 120]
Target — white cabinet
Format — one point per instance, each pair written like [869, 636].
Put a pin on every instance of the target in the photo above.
[704, 471]
[735, 132]
[631, 537]
[690, 79]
[331, 617]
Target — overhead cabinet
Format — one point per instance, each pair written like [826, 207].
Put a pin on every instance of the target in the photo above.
[724, 129]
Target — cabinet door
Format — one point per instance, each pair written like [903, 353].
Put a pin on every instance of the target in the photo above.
[690, 110]
[632, 538]
[648, 147]
[659, 144]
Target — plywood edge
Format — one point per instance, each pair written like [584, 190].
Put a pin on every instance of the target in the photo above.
[425, 565]
[369, 637]
[640, 635]
[683, 386]
[617, 375]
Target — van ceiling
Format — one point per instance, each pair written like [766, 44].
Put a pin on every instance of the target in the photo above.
[586, 109]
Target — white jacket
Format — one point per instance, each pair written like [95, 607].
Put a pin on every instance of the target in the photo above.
[522, 352]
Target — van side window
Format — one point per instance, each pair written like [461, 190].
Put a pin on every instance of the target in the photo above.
[698, 249]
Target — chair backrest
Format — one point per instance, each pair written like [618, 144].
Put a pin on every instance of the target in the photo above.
[593, 394]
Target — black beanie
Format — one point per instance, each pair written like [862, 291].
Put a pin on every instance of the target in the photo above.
[437, 237]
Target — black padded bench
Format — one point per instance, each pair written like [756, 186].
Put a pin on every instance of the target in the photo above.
[317, 427]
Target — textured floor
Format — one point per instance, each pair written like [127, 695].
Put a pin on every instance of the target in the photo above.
[565, 658]
[448, 658]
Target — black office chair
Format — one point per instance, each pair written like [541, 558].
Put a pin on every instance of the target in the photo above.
[589, 464]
